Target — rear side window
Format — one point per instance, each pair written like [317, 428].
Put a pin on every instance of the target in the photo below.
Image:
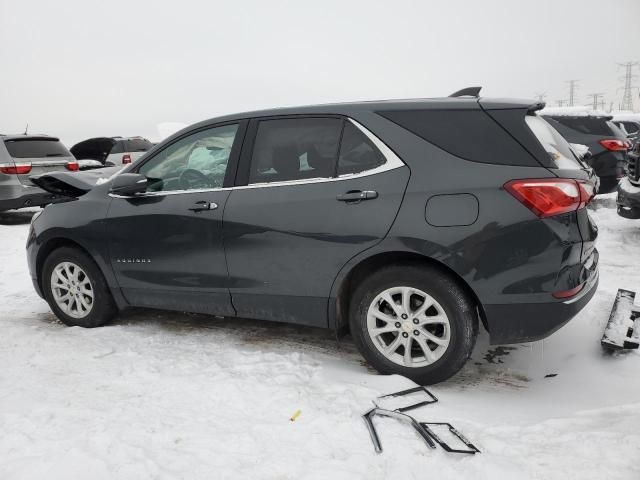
[585, 124]
[295, 149]
[469, 134]
[36, 148]
[630, 127]
[357, 152]
[554, 144]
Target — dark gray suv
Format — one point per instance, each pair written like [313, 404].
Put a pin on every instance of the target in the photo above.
[407, 223]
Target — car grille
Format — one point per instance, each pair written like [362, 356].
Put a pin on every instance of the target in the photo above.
[633, 168]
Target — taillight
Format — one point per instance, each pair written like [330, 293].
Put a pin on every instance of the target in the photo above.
[73, 166]
[15, 169]
[614, 145]
[547, 197]
[568, 293]
[126, 159]
[587, 192]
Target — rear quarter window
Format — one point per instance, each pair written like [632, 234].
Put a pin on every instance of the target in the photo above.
[36, 148]
[469, 134]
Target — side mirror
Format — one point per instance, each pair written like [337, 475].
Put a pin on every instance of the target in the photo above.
[128, 184]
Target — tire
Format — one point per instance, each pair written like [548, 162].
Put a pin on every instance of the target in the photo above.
[455, 331]
[93, 305]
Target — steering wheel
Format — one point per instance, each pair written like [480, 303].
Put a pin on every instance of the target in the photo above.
[192, 179]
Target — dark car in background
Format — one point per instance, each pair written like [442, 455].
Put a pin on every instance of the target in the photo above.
[628, 199]
[607, 143]
[24, 155]
[111, 151]
[629, 124]
[407, 223]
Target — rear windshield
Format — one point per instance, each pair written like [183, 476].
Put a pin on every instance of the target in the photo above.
[588, 125]
[36, 148]
[554, 143]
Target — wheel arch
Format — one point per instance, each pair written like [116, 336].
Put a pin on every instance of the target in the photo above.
[338, 312]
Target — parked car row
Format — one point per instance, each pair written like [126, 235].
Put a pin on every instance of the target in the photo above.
[23, 156]
[408, 223]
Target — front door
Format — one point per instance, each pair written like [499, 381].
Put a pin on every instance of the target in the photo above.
[318, 191]
[166, 245]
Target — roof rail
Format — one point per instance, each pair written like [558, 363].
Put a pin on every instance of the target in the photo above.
[467, 92]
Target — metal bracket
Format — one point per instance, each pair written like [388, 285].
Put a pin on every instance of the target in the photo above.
[368, 419]
[471, 448]
[623, 328]
[432, 398]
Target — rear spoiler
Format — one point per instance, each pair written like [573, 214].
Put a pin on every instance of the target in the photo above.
[73, 184]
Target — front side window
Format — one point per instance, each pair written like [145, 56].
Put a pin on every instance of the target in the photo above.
[198, 161]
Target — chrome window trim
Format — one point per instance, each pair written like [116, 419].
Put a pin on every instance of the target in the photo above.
[392, 162]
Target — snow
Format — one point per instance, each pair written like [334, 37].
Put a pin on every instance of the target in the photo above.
[162, 395]
[576, 111]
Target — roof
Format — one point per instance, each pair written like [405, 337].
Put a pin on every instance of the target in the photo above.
[22, 136]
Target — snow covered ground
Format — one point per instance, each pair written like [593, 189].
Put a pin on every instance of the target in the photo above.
[163, 396]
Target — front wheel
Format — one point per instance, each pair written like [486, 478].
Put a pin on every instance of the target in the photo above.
[413, 321]
[76, 290]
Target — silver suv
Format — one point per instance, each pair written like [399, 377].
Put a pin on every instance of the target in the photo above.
[22, 156]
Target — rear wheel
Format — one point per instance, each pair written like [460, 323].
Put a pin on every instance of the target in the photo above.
[413, 321]
[76, 290]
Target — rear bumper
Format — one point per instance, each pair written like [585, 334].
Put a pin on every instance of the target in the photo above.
[19, 196]
[528, 322]
[628, 200]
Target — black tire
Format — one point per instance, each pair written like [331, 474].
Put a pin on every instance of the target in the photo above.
[457, 305]
[103, 308]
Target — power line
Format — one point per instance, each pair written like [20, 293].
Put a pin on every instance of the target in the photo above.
[595, 97]
[573, 86]
[627, 95]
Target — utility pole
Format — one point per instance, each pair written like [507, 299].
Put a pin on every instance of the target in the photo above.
[541, 96]
[627, 95]
[573, 86]
[595, 97]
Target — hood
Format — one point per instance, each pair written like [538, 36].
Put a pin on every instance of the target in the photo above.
[74, 184]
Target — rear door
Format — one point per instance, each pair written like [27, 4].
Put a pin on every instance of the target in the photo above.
[41, 154]
[315, 191]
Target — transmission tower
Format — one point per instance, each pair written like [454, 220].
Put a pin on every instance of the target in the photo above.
[541, 96]
[573, 86]
[595, 97]
[627, 95]
[561, 103]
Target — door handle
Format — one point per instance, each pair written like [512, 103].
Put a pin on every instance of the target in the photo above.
[357, 196]
[203, 205]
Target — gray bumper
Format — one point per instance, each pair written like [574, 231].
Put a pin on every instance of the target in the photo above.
[19, 196]
[628, 199]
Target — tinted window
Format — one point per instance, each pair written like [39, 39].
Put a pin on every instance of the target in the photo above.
[554, 144]
[357, 153]
[195, 162]
[137, 145]
[630, 127]
[469, 134]
[118, 147]
[36, 148]
[294, 149]
[588, 125]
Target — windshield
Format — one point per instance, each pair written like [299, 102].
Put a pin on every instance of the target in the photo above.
[555, 145]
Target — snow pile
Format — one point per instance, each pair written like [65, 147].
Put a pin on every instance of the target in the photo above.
[164, 395]
[577, 111]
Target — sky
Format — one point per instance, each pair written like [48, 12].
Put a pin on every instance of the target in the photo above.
[83, 68]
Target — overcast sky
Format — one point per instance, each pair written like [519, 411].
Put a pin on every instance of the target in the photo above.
[82, 68]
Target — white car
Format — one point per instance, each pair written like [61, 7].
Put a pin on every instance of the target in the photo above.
[111, 150]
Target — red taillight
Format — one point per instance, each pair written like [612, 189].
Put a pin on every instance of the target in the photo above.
[73, 166]
[614, 145]
[126, 159]
[568, 293]
[15, 169]
[547, 197]
[587, 192]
